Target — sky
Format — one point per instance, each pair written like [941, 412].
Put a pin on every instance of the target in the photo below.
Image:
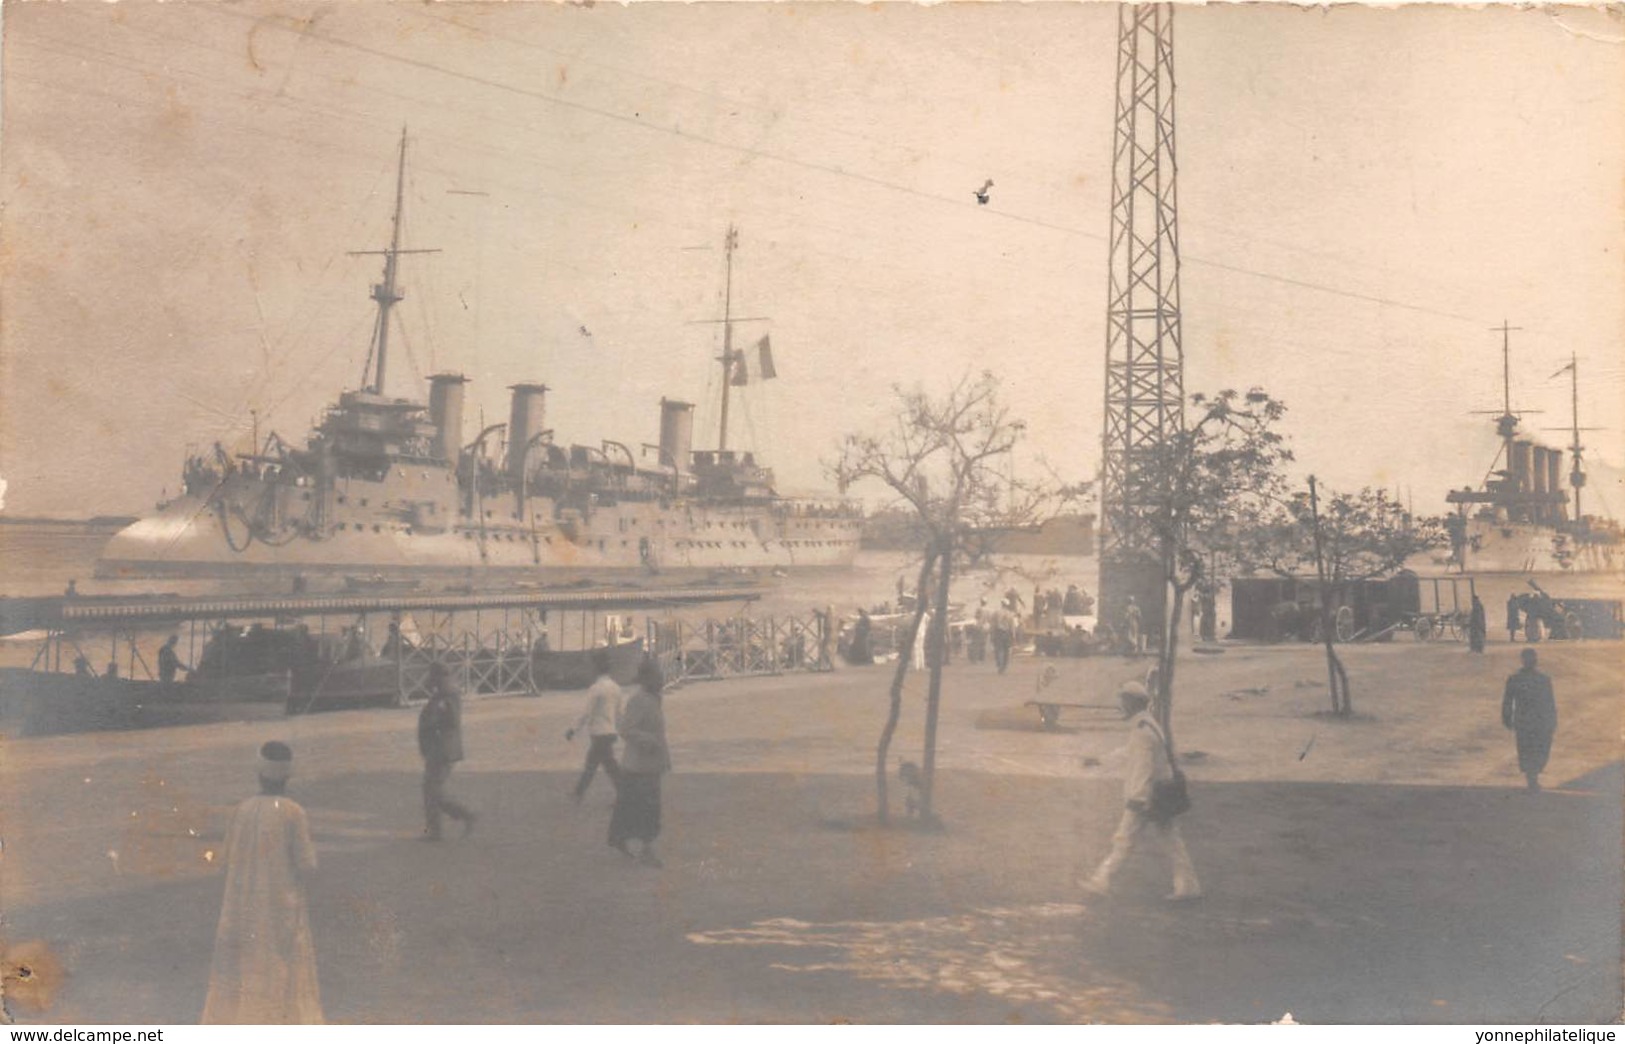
[1363, 195]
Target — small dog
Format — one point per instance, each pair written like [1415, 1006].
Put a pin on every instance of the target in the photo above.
[913, 788]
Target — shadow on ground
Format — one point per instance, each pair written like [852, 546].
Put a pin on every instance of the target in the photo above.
[1335, 902]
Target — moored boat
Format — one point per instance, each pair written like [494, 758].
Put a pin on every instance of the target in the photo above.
[1522, 520]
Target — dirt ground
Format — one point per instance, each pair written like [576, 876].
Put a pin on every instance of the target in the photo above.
[1384, 868]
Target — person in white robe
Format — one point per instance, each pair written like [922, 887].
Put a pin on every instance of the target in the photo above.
[264, 968]
[919, 640]
[1147, 762]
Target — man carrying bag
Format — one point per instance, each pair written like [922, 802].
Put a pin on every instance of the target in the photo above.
[1154, 796]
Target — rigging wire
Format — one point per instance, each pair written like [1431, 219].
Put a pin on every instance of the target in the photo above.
[649, 125]
[914, 153]
[309, 316]
[816, 166]
[1240, 269]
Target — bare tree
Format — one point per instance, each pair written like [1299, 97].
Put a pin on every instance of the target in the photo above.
[939, 457]
[1202, 485]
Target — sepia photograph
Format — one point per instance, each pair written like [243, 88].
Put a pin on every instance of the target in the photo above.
[807, 513]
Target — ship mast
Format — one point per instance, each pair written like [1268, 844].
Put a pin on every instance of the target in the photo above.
[386, 292]
[727, 333]
[1507, 423]
[1577, 476]
[732, 359]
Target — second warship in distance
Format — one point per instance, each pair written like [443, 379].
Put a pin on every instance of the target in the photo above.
[1522, 520]
[386, 487]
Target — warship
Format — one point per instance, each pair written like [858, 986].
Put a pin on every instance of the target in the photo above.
[386, 489]
[1522, 520]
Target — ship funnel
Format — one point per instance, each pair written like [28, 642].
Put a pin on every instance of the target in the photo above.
[1537, 478]
[525, 422]
[676, 433]
[1554, 481]
[1519, 464]
[1522, 480]
[446, 414]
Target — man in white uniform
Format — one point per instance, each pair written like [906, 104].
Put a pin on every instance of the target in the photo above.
[1148, 762]
[264, 968]
[604, 703]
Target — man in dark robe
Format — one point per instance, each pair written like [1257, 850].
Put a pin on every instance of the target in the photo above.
[861, 652]
[1514, 619]
[1477, 627]
[1529, 709]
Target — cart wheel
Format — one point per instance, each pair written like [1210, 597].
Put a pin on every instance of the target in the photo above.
[1345, 623]
[1571, 627]
[1457, 626]
[1424, 629]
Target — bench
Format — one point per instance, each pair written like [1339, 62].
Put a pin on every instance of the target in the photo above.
[1049, 711]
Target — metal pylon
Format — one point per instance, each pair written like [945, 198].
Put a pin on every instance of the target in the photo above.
[1144, 360]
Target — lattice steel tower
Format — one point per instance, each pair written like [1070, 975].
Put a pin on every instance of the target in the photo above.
[1144, 361]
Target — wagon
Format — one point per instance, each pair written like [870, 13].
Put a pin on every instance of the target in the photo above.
[1433, 607]
[1289, 608]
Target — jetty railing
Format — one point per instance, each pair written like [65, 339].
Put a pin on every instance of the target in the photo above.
[742, 646]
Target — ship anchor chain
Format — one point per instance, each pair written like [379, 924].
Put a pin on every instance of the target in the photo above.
[255, 528]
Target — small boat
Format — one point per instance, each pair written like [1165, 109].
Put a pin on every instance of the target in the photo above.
[556, 670]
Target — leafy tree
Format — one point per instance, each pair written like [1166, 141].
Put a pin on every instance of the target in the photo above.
[1343, 537]
[1201, 488]
[1363, 535]
[939, 458]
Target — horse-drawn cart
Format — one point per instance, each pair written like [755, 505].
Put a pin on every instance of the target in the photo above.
[1289, 608]
[1434, 607]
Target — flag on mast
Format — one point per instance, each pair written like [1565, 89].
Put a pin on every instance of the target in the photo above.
[764, 349]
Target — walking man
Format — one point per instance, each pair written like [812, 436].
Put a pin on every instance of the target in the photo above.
[604, 703]
[1132, 627]
[1530, 711]
[1477, 627]
[1514, 622]
[1003, 637]
[440, 741]
[264, 967]
[1148, 762]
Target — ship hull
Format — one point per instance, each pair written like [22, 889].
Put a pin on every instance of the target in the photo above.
[193, 538]
[1518, 548]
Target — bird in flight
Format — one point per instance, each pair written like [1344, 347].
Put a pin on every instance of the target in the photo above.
[981, 193]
